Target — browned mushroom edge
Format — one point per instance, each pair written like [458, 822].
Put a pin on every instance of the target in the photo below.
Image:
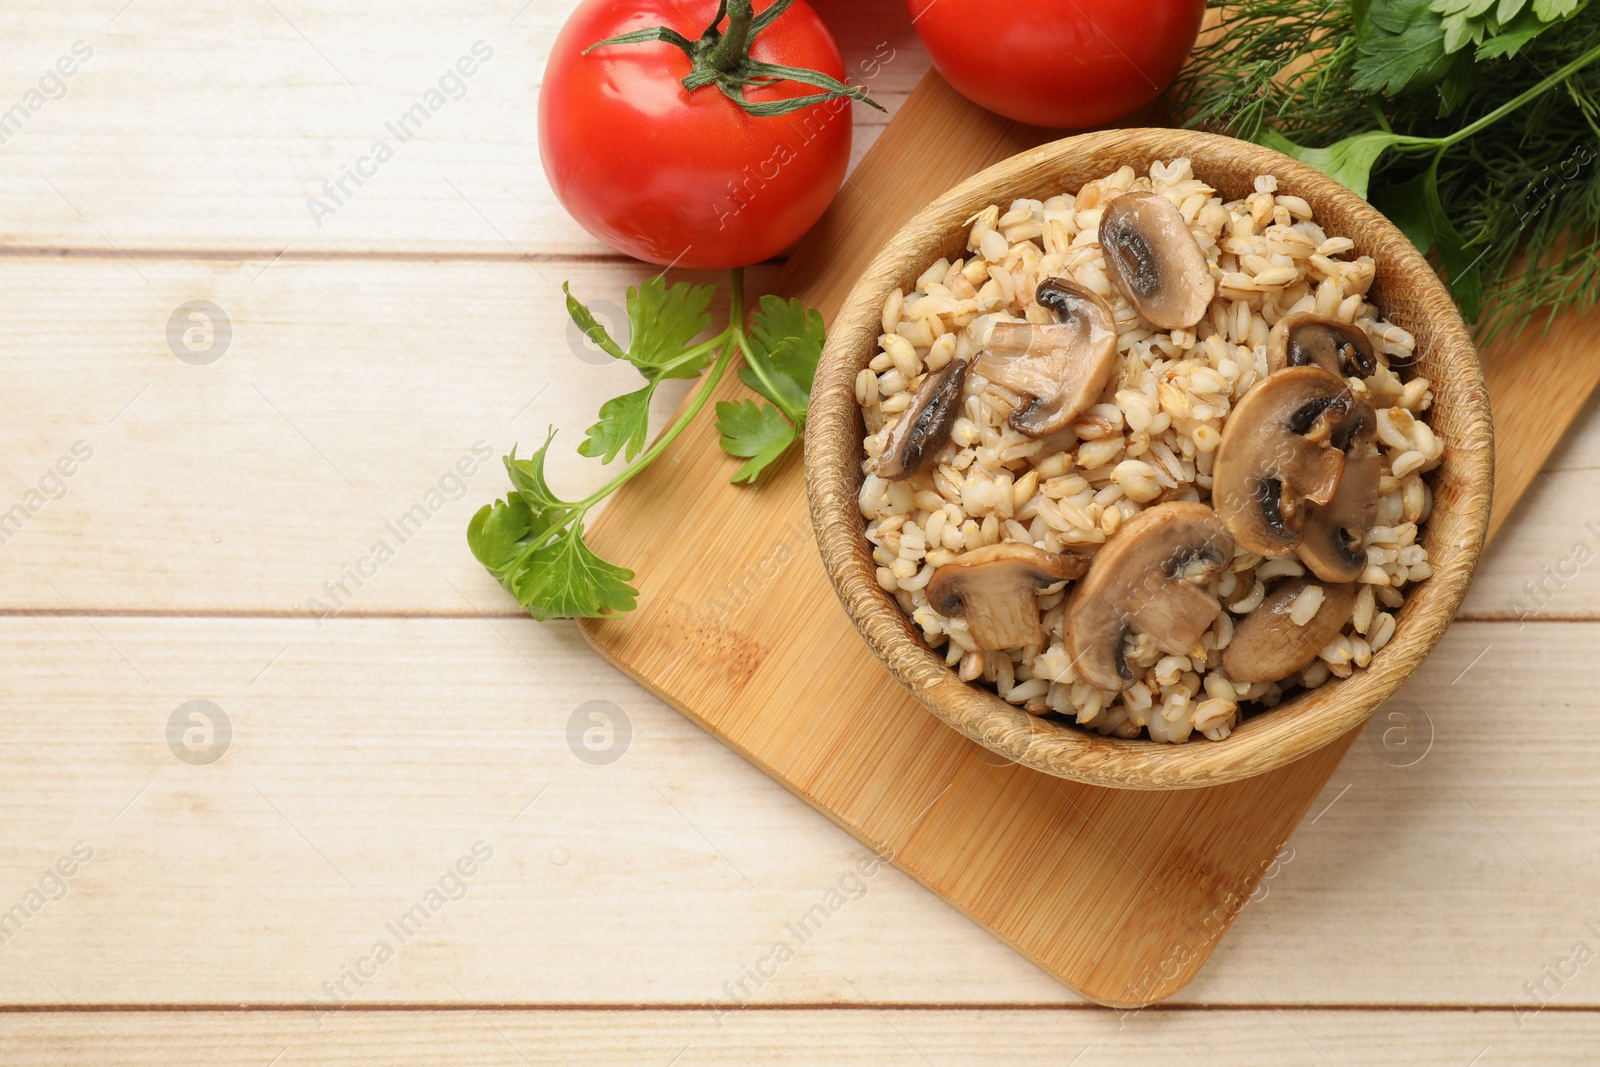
[996, 589]
[1059, 368]
[1268, 645]
[1154, 260]
[925, 425]
[1304, 339]
[1148, 578]
[1283, 450]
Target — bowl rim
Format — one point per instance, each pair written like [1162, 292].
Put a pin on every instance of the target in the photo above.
[1454, 531]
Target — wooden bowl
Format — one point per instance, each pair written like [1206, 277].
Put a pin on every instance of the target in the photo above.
[1406, 291]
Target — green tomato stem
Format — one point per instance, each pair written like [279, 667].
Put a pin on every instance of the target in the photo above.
[729, 51]
[722, 58]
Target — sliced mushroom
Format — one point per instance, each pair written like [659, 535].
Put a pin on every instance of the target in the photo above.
[925, 426]
[1269, 645]
[1334, 535]
[1283, 449]
[1155, 261]
[1060, 366]
[1149, 579]
[996, 588]
[1307, 340]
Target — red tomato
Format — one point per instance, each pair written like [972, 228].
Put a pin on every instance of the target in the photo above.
[1063, 63]
[672, 176]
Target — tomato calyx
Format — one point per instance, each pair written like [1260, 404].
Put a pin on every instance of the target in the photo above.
[722, 58]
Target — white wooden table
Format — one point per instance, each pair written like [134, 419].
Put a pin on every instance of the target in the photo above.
[233, 911]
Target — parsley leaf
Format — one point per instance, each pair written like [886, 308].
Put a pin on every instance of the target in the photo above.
[527, 478]
[662, 321]
[1404, 205]
[591, 328]
[500, 532]
[1554, 10]
[1471, 8]
[1499, 27]
[566, 580]
[1349, 161]
[1461, 263]
[1400, 48]
[780, 362]
[1400, 45]
[552, 578]
[760, 433]
[1510, 41]
[785, 342]
[1459, 31]
[624, 423]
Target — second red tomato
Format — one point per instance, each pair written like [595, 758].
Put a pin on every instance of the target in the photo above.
[1062, 63]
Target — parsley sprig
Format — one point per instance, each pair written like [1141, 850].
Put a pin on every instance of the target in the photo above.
[532, 540]
[780, 361]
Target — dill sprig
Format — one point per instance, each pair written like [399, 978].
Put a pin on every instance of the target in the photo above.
[1515, 217]
[1279, 64]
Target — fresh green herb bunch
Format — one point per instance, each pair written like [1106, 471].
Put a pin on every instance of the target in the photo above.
[532, 540]
[1473, 124]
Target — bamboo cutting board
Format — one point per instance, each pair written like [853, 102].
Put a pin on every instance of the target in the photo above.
[1120, 895]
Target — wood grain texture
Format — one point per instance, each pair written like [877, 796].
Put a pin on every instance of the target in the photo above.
[1410, 295]
[1539, 382]
[1541, 564]
[209, 126]
[350, 414]
[867, 1037]
[380, 750]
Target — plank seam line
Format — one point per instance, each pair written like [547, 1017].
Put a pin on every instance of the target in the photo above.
[293, 614]
[820, 1006]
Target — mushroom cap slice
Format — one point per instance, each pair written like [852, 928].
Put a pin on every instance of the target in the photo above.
[1283, 449]
[1303, 339]
[925, 425]
[1154, 260]
[996, 588]
[1061, 366]
[1334, 535]
[1268, 645]
[1147, 578]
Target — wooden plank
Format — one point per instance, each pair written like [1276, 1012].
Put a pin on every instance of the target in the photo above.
[209, 125]
[1538, 384]
[367, 758]
[393, 370]
[865, 1036]
[381, 750]
[262, 481]
[1542, 562]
